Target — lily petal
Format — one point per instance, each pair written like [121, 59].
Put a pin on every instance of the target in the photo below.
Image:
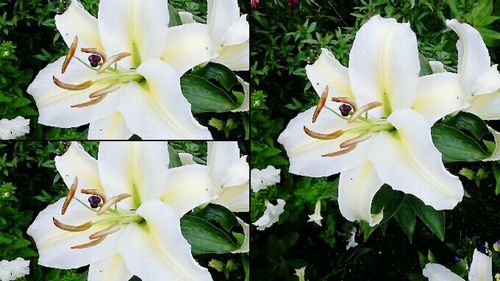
[357, 187]
[495, 156]
[305, 152]
[437, 272]
[157, 109]
[235, 198]
[245, 247]
[220, 16]
[237, 33]
[221, 156]
[186, 17]
[328, 71]
[437, 66]
[245, 105]
[384, 65]
[438, 95]
[54, 104]
[112, 268]
[235, 57]
[136, 168]
[480, 268]
[488, 82]
[188, 187]
[408, 161]
[473, 56]
[188, 46]
[485, 106]
[109, 128]
[159, 244]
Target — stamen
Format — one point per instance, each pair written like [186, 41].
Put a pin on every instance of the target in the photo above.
[340, 152]
[95, 51]
[112, 60]
[69, 197]
[363, 109]
[346, 100]
[355, 140]
[109, 230]
[321, 104]
[345, 109]
[94, 192]
[89, 103]
[72, 228]
[113, 200]
[320, 136]
[72, 87]
[70, 54]
[94, 60]
[104, 91]
[89, 244]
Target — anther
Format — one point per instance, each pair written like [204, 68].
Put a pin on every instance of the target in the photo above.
[94, 201]
[69, 196]
[94, 192]
[346, 100]
[72, 87]
[112, 60]
[104, 91]
[89, 103]
[355, 140]
[345, 109]
[113, 200]
[70, 54]
[89, 244]
[72, 228]
[363, 109]
[96, 52]
[109, 230]
[340, 152]
[94, 60]
[320, 136]
[321, 104]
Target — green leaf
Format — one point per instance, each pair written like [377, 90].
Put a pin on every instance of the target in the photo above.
[496, 172]
[366, 230]
[218, 214]
[460, 268]
[425, 67]
[220, 73]
[455, 145]
[175, 19]
[204, 96]
[433, 219]
[406, 218]
[469, 122]
[205, 237]
[388, 200]
[175, 160]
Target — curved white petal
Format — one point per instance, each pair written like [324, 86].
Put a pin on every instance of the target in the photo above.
[188, 187]
[188, 46]
[54, 244]
[109, 128]
[112, 268]
[159, 251]
[384, 65]
[437, 66]
[438, 95]
[237, 33]
[245, 247]
[136, 168]
[408, 161]
[473, 57]
[437, 272]
[220, 16]
[235, 57]
[137, 27]
[245, 105]
[271, 214]
[488, 82]
[226, 166]
[76, 21]
[328, 71]
[305, 152]
[357, 187]
[157, 109]
[54, 104]
[495, 156]
[186, 159]
[485, 106]
[235, 198]
[186, 17]
[480, 268]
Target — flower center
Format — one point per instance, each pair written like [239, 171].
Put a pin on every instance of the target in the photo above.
[361, 127]
[112, 217]
[110, 76]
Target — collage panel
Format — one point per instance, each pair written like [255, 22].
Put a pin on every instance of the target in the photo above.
[375, 140]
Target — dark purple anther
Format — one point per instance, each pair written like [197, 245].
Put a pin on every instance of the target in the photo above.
[293, 3]
[481, 248]
[94, 60]
[345, 109]
[94, 201]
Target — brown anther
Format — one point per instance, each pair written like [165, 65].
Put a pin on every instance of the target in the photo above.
[363, 109]
[89, 103]
[70, 54]
[112, 60]
[94, 192]
[90, 244]
[320, 136]
[72, 228]
[113, 200]
[355, 140]
[346, 100]
[340, 152]
[69, 196]
[321, 104]
[104, 91]
[95, 51]
[109, 230]
[72, 87]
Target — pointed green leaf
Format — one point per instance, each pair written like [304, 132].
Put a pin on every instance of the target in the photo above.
[219, 73]
[175, 160]
[205, 96]
[425, 67]
[455, 145]
[175, 19]
[433, 219]
[469, 122]
[219, 215]
[205, 237]
[406, 218]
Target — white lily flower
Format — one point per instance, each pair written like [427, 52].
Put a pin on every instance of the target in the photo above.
[480, 270]
[316, 216]
[112, 201]
[301, 273]
[383, 128]
[12, 270]
[261, 179]
[11, 129]
[271, 214]
[126, 89]
[351, 242]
